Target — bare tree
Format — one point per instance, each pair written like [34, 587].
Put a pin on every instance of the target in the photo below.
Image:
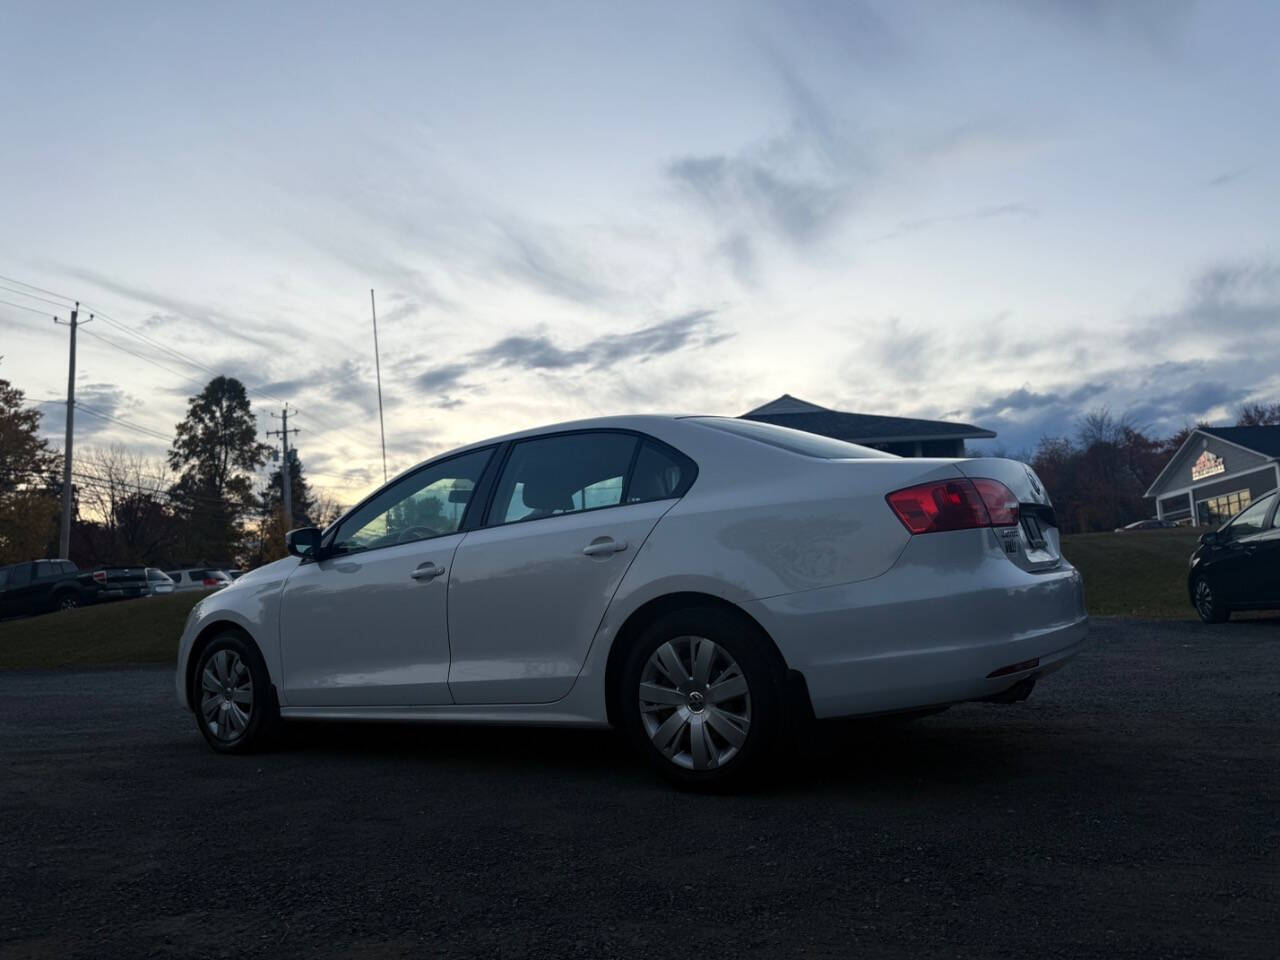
[126, 494]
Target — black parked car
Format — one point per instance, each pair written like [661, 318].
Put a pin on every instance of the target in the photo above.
[1237, 566]
[38, 586]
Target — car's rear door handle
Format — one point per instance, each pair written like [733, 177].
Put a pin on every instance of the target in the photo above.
[427, 571]
[604, 545]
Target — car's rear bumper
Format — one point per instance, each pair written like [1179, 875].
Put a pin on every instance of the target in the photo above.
[932, 630]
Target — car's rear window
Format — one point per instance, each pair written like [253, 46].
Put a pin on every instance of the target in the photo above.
[796, 441]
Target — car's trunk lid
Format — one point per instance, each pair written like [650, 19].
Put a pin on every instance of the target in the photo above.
[1033, 544]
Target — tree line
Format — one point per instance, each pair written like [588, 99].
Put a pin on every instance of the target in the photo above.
[195, 506]
[198, 504]
[1097, 475]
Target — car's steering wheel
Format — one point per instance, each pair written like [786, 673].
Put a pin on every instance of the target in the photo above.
[409, 534]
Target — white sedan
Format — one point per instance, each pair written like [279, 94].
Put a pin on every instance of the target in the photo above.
[701, 582]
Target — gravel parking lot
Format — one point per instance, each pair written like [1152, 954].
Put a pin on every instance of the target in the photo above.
[1129, 809]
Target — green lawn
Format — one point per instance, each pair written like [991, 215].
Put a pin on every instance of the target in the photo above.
[128, 631]
[1139, 574]
[1142, 573]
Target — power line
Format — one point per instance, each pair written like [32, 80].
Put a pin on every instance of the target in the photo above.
[112, 343]
[178, 354]
[23, 293]
[105, 416]
[32, 286]
[10, 303]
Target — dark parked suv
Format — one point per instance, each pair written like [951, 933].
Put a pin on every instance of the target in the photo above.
[1237, 567]
[38, 586]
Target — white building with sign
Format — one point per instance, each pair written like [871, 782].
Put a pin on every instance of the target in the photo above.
[1218, 472]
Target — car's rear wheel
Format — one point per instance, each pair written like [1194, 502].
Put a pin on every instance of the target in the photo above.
[1207, 603]
[702, 698]
[65, 601]
[232, 696]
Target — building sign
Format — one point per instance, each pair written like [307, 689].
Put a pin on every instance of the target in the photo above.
[1207, 466]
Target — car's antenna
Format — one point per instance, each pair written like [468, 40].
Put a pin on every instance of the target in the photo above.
[377, 365]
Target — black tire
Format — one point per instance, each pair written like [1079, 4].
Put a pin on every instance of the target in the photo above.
[67, 600]
[750, 654]
[221, 727]
[1206, 602]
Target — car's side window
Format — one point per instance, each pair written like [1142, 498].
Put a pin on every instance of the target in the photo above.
[4, 576]
[67, 566]
[549, 476]
[429, 503]
[1251, 520]
[44, 569]
[20, 575]
[659, 474]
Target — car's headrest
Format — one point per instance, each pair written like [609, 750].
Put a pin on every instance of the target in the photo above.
[543, 493]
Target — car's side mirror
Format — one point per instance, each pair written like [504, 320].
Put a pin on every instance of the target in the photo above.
[1210, 538]
[303, 542]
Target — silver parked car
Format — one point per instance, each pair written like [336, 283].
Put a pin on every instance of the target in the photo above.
[158, 582]
[198, 578]
[697, 581]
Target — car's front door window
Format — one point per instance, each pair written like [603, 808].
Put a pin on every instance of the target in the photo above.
[429, 503]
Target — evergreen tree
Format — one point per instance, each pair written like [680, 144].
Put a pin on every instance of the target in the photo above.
[215, 452]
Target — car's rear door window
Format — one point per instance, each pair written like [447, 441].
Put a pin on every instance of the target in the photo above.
[567, 473]
[20, 575]
[659, 474]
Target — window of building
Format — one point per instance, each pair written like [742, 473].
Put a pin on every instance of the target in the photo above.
[1218, 510]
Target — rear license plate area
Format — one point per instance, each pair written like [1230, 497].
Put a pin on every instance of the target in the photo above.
[1035, 533]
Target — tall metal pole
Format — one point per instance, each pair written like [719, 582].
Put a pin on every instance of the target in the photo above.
[286, 479]
[64, 532]
[286, 483]
[377, 365]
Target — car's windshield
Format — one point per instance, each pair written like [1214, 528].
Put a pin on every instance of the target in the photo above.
[1251, 520]
[796, 441]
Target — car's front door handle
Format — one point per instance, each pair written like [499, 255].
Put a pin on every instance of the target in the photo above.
[427, 571]
[602, 546]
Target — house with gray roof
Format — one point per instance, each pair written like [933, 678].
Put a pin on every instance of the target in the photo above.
[905, 436]
[1216, 473]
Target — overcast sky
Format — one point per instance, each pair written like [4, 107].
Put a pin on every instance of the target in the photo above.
[1000, 212]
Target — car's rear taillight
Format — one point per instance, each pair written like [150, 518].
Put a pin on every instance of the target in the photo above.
[99, 576]
[960, 504]
[212, 582]
[1001, 504]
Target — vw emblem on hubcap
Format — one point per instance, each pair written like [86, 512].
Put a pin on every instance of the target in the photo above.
[696, 701]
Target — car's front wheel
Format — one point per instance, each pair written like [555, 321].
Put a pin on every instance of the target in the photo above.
[702, 698]
[1207, 603]
[233, 699]
[66, 601]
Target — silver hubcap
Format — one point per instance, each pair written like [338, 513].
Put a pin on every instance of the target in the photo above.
[226, 695]
[1204, 599]
[694, 703]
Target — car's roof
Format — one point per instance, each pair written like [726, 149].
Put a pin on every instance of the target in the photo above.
[640, 422]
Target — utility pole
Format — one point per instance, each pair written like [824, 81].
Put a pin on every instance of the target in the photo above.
[286, 481]
[377, 365]
[64, 532]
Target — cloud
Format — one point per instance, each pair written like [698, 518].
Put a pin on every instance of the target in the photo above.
[1228, 176]
[226, 325]
[1018, 210]
[799, 208]
[1024, 399]
[538, 352]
